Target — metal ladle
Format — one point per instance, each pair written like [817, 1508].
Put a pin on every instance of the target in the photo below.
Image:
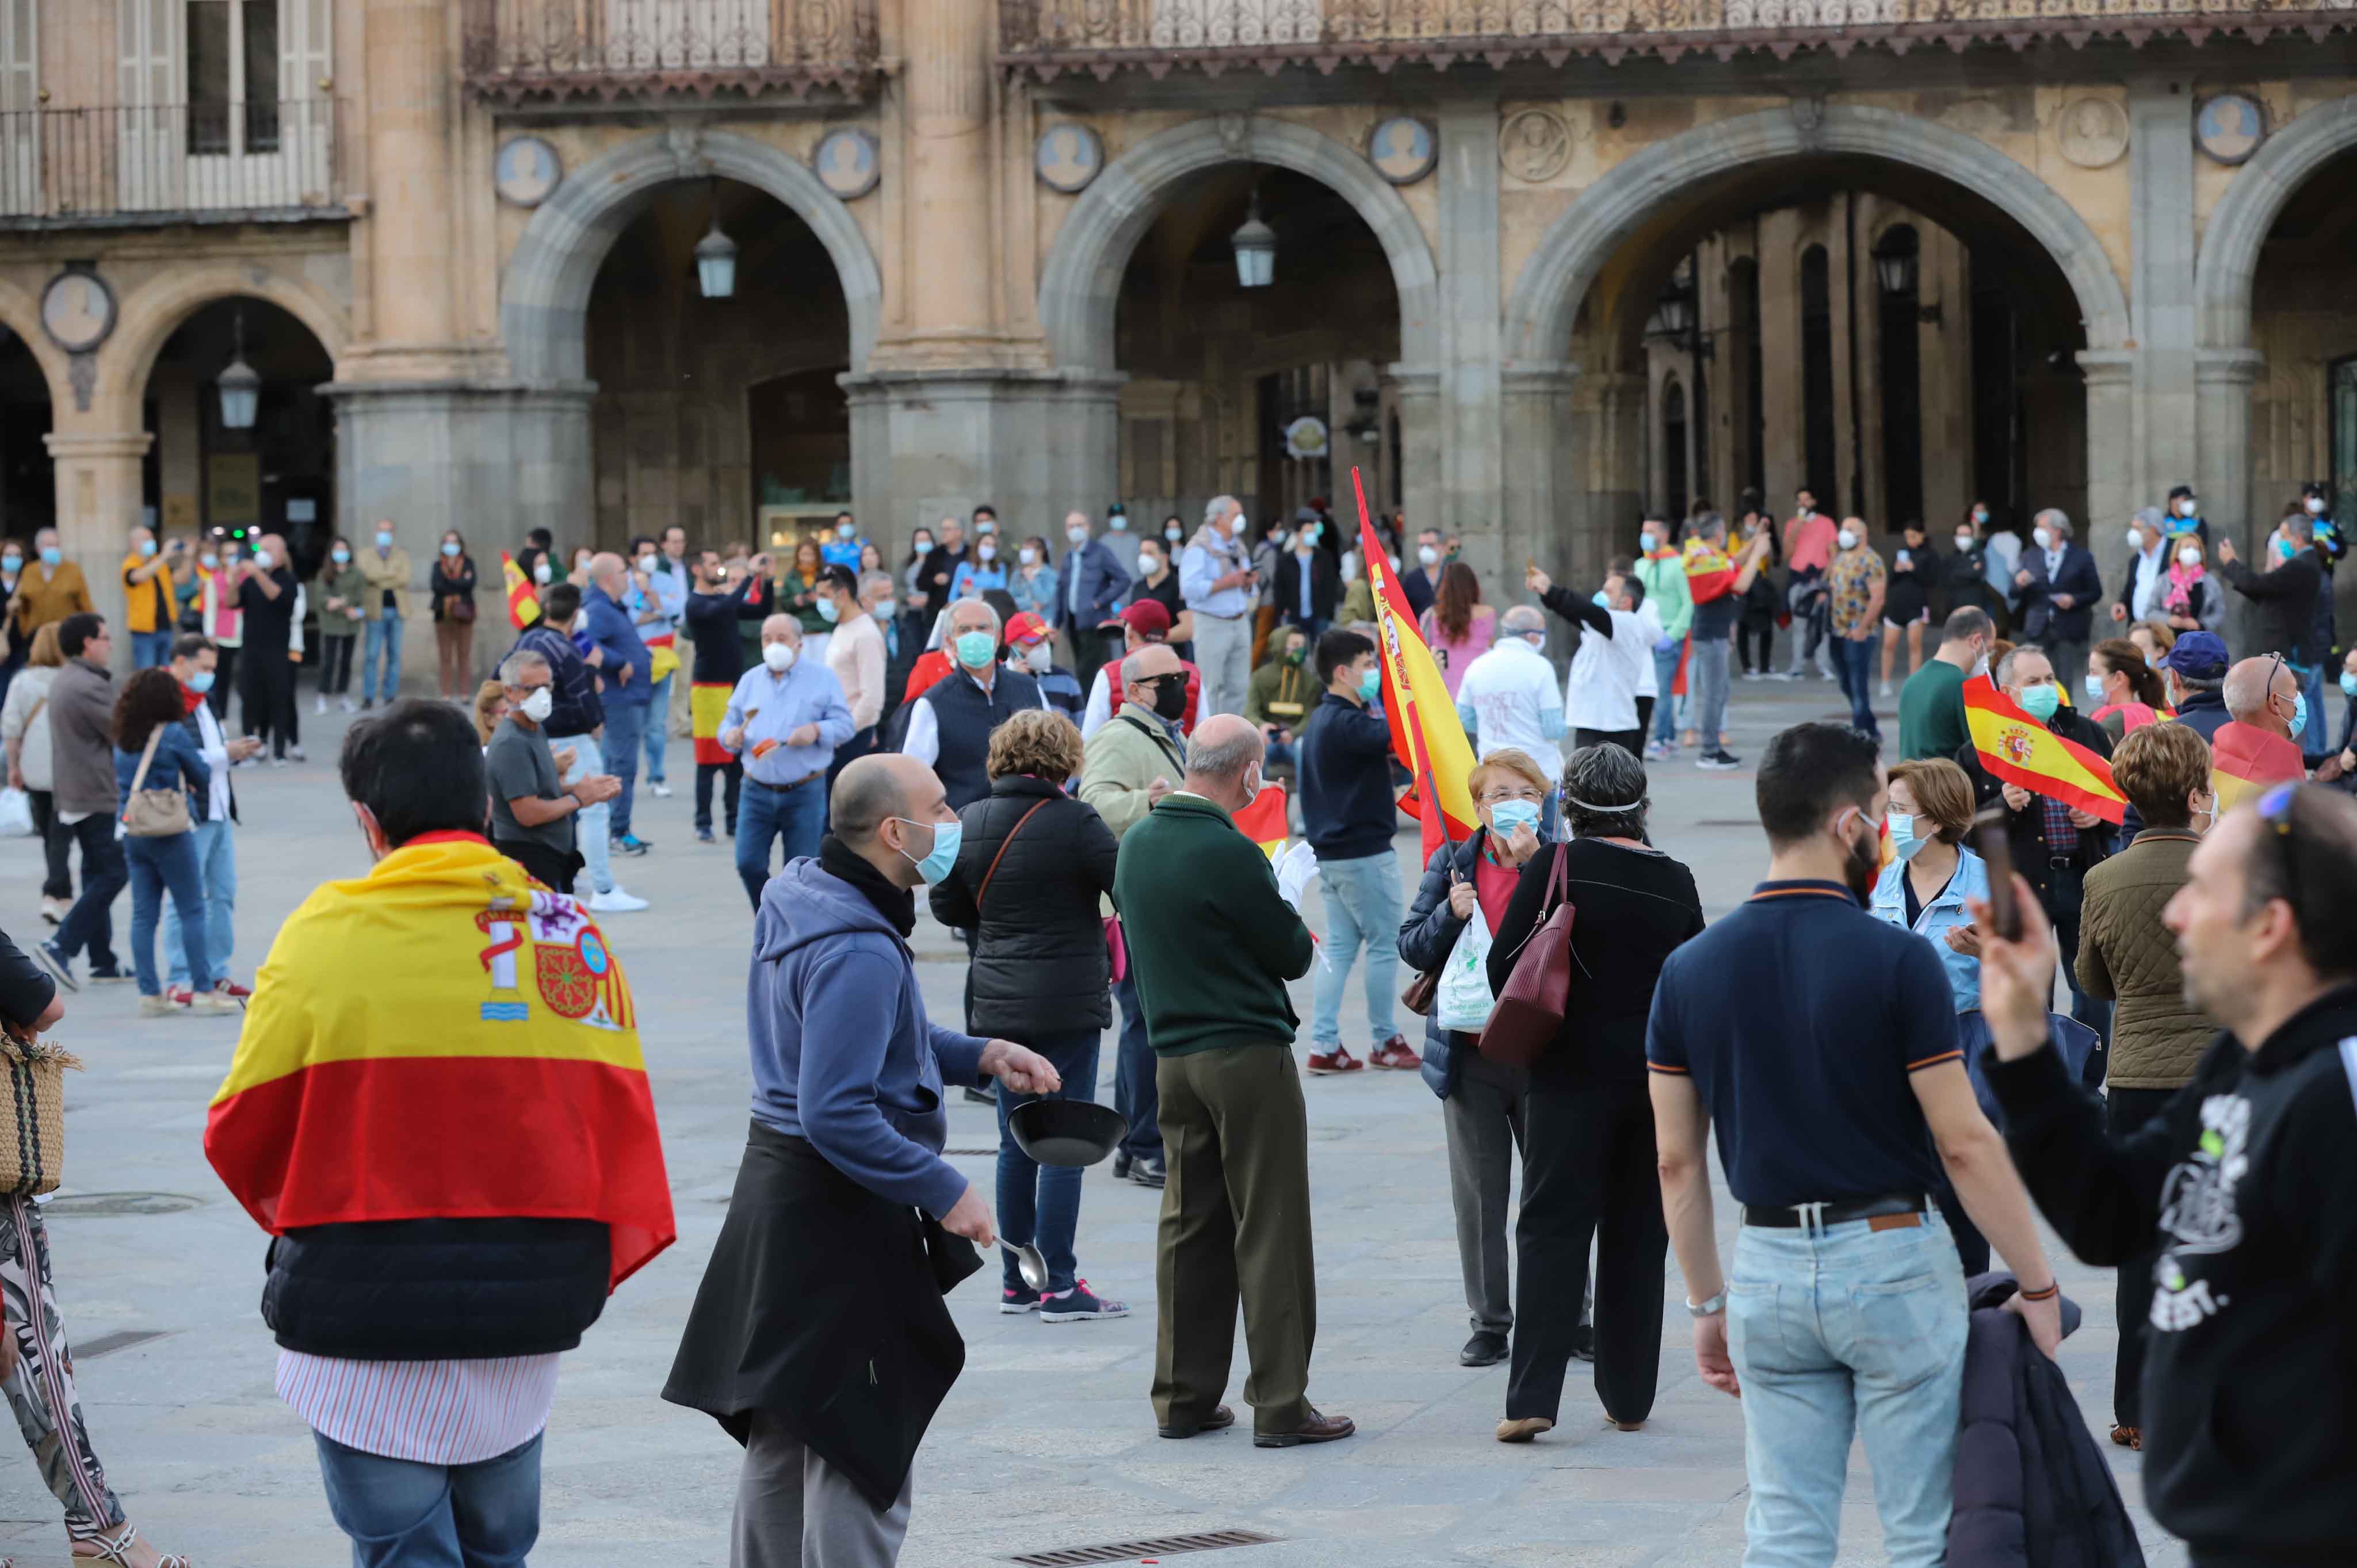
[1028, 1262]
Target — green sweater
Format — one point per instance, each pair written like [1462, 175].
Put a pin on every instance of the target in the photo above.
[1210, 942]
[1931, 712]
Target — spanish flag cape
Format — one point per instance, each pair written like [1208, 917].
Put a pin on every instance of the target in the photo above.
[2018, 750]
[443, 1039]
[1710, 572]
[523, 607]
[1426, 735]
[2245, 759]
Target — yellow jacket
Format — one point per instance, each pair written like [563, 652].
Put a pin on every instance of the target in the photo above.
[45, 593]
[139, 613]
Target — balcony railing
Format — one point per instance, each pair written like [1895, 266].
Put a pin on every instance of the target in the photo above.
[1105, 36]
[519, 49]
[159, 163]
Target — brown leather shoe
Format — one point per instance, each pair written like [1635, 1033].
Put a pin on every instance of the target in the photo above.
[1317, 1429]
[1220, 1419]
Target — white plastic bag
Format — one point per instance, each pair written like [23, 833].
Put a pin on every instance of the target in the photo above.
[1463, 1001]
[15, 814]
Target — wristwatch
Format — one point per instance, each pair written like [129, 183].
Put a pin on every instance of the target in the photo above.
[1710, 1308]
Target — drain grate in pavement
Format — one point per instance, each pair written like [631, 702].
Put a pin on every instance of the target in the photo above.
[121, 1340]
[109, 1205]
[1132, 1551]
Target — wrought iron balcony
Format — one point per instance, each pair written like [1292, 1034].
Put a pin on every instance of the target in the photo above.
[517, 50]
[67, 169]
[1048, 37]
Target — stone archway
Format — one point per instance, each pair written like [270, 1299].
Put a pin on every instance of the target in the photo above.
[544, 290]
[20, 313]
[1082, 280]
[154, 311]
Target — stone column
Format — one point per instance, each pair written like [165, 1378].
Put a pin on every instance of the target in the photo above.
[2223, 382]
[1472, 453]
[1540, 476]
[411, 81]
[1034, 444]
[98, 481]
[947, 98]
[2161, 311]
[1423, 468]
[2113, 485]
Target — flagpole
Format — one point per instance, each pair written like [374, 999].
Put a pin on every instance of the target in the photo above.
[1428, 793]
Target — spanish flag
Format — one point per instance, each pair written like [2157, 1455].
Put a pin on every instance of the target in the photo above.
[493, 1071]
[707, 703]
[2245, 760]
[523, 607]
[1265, 821]
[1710, 573]
[2018, 750]
[1426, 735]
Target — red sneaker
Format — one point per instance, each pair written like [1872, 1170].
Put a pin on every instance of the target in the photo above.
[178, 995]
[1336, 1061]
[229, 987]
[1394, 1054]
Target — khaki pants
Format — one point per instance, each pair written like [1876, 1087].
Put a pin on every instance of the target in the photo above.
[1236, 1221]
[683, 727]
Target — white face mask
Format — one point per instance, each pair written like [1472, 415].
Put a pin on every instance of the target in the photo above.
[1028, 556]
[1350, 566]
[262, 559]
[2315, 505]
[1079, 536]
[986, 551]
[2189, 557]
[646, 563]
[777, 656]
[1038, 658]
[2042, 538]
[1846, 538]
[536, 706]
[1964, 540]
[1426, 555]
[1236, 526]
[1149, 564]
[2185, 507]
[2135, 539]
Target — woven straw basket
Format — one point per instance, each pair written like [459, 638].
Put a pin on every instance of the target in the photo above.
[32, 1116]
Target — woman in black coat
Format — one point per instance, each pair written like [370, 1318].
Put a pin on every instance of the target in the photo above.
[1589, 1155]
[1033, 867]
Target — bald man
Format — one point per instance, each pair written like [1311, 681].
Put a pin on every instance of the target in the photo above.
[2259, 743]
[266, 592]
[626, 669]
[846, 1219]
[1213, 943]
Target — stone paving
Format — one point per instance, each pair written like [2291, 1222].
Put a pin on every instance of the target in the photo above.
[1048, 1440]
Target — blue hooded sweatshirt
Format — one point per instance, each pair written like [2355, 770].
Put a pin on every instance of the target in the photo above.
[842, 1054]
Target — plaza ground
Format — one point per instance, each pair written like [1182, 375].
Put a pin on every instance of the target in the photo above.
[1047, 1440]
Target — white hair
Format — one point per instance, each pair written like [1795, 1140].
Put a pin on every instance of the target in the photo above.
[523, 662]
[1217, 508]
[2055, 519]
[1226, 759]
[988, 607]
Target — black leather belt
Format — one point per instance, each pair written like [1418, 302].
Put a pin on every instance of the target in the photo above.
[1818, 1216]
[784, 788]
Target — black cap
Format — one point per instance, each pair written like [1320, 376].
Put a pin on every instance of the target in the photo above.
[2180, 492]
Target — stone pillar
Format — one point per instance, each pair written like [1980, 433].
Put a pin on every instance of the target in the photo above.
[2113, 485]
[2222, 381]
[1472, 453]
[98, 481]
[411, 81]
[2161, 234]
[1034, 444]
[947, 99]
[1540, 473]
[1423, 482]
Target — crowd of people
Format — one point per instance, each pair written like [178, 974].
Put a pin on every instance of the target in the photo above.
[1871, 1036]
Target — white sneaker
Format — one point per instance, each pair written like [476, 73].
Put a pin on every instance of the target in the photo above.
[1886, 688]
[321, 705]
[53, 911]
[214, 1001]
[662, 791]
[349, 706]
[614, 901]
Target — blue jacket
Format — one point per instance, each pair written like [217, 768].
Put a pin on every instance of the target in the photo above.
[1348, 810]
[2077, 577]
[842, 1053]
[1941, 915]
[1427, 936]
[573, 705]
[1103, 580]
[179, 764]
[610, 628]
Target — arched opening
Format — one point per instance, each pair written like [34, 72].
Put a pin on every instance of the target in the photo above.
[213, 465]
[2304, 322]
[1898, 257]
[28, 491]
[719, 413]
[1673, 449]
[1267, 392]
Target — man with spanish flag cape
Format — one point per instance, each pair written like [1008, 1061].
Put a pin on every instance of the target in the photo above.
[2256, 747]
[439, 1110]
[2050, 765]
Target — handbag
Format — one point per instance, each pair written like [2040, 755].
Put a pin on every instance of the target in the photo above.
[1529, 1014]
[32, 1116]
[153, 813]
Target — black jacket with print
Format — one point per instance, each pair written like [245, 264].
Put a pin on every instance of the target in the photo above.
[2248, 1183]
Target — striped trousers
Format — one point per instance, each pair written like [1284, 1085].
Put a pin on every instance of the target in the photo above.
[41, 1390]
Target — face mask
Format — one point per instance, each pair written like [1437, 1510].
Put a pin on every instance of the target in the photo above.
[2348, 684]
[209, 561]
[1170, 700]
[2315, 505]
[2040, 701]
[1601, 602]
[16, 563]
[1537, 640]
[778, 657]
[1350, 565]
[1846, 538]
[1980, 514]
[450, 548]
[1304, 545]
[1964, 542]
[1903, 842]
[2135, 540]
[923, 544]
[1647, 544]
[1426, 555]
[1119, 523]
[146, 547]
[974, 649]
[1038, 658]
[1028, 556]
[1172, 533]
[339, 555]
[51, 556]
[2299, 713]
[202, 681]
[262, 559]
[1371, 684]
[2185, 508]
[1147, 566]
[986, 551]
[2094, 687]
[1308, 534]
[828, 611]
[1079, 536]
[943, 855]
[384, 538]
[536, 706]
[2188, 558]
[845, 531]
[1808, 512]
[1508, 815]
[2042, 538]
[2284, 548]
[984, 527]
[1295, 655]
[1237, 527]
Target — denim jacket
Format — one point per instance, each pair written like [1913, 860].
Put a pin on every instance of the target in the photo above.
[178, 762]
[1971, 881]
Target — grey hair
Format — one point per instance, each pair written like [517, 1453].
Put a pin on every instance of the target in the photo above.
[1133, 665]
[2055, 518]
[523, 662]
[1217, 508]
[1224, 759]
[1520, 621]
[953, 608]
[2303, 530]
[2003, 674]
[1706, 525]
[877, 580]
[1604, 776]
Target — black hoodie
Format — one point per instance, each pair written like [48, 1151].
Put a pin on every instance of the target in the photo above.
[2248, 1182]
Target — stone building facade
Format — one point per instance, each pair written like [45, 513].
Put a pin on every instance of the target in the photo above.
[984, 252]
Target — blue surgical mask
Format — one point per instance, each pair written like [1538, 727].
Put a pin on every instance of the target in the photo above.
[12, 563]
[975, 649]
[146, 547]
[342, 555]
[938, 864]
[1371, 684]
[1903, 842]
[827, 612]
[2348, 685]
[2298, 713]
[51, 556]
[2040, 701]
[1508, 815]
[262, 559]
[450, 547]
[384, 538]
[2094, 687]
[1599, 601]
[202, 681]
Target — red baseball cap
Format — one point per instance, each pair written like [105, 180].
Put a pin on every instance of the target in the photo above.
[1027, 628]
[1147, 618]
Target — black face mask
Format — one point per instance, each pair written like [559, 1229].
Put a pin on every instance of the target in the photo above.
[1170, 697]
[1863, 866]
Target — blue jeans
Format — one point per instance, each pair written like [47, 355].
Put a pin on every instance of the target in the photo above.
[1665, 706]
[1706, 676]
[217, 877]
[1136, 1093]
[1854, 660]
[794, 816]
[402, 1514]
[384, 635]
[589, 824]
[149, 649]
[2315, 739]
[626, 724]
[159, 864]
[1362, 908]
[1848, 1329]
[658, 728]
[1041, 1204]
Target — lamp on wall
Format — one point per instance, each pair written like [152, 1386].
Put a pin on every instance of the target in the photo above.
[1255, 247]
[716, 258]
[241, 389]
[1897, 265]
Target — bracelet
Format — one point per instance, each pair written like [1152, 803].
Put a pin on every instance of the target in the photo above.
[2049, 1293]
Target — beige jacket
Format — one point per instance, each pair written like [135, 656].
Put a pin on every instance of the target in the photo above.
[1124, 757]
[389, 571]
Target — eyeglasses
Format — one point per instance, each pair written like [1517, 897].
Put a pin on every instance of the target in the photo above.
[1494, 797]
[2275, 810]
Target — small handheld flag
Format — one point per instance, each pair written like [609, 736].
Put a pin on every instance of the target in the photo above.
[523, 607]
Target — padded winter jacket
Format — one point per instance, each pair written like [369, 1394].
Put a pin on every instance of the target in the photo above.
[2126, 955]
[1040, 965]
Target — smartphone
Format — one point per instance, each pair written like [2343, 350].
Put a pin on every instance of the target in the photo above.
[1996, 846]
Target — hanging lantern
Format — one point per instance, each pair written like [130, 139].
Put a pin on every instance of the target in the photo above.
[1256, 246]
[241, 389]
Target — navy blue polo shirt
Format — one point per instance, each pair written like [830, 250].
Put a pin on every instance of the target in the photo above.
[1800, 1017]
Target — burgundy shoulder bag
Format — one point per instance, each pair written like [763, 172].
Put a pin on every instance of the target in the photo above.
[1529, 1012]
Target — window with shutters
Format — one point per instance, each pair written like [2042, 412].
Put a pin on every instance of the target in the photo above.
[224, 104]
[20, 121]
